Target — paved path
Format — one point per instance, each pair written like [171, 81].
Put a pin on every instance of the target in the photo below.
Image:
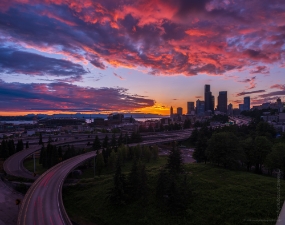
[8, 208]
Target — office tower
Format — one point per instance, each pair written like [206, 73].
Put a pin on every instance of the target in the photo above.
[190, 107]
[222, 102]
[200, 107]
[208, 98]
[213, 103]
[241, 106]
[230, 109]
[179, 111]
[246, 103]
[171, 111]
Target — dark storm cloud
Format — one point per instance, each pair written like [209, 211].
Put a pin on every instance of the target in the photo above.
[260, 69]
[13, 61]
[166, 36]
[250, 92]
[68, 97]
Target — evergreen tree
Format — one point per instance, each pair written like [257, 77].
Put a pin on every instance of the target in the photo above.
[112, 159]
[96, 144]
[118, 195]
[5, 149]
[120, 140]
[162, 185]
[27, 144]
[155, 152]
[126, 139]
[60, 156]
[11, 147]
[106, 141]
[41, 155]
[174, 162]
[194, 136]
[40, 139]
[137, 181]
[224, 148]
[262, 147]
[99, 164]
[199, 153]
[114, 142]
[19, 146]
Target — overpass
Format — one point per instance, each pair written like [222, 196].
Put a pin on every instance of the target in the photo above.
[14, 165]
[43, 202]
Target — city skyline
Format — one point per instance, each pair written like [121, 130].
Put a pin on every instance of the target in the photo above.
[143, 56]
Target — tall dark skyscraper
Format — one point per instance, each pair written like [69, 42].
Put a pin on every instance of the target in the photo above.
[200, 107]
[190, 107]
[213, 103]
[246, 103]
[208, 98]
[223, 102]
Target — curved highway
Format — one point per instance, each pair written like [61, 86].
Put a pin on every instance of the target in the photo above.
[43, 202]
[14, 165]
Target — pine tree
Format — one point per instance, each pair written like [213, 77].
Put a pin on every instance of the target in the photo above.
[117, 195]
[41, 155]
[126, 139]
[5, 149]
[11, 147]
[40, 139]
[106, 141]
[114, 142]
[96, 144]
[120, 140]
[99, 164]
[174, 163]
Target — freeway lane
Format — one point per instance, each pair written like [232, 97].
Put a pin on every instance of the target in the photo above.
[43, 202]
[14, 165]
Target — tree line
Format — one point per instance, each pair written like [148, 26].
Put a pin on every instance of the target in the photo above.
[52, 155]
[8, 147]
[253, 147]
[172, 189]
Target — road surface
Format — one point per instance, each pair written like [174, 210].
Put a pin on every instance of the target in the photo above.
[43, 202]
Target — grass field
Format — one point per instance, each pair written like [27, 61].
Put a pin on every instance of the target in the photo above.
[29, 165]
[220, 196]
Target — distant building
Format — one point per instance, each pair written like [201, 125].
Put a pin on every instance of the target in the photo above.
[115, 119]
[213, 103]
[190, 107]
[236, 112]
[200, 107]
[179, 111]
[171, 111]
[282, 117]
[230, 109]
[223, 102]
[208, 98]
[241, 106]
[54, 122]
[246, 103]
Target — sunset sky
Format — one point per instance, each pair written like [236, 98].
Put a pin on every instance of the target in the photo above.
[138, 55]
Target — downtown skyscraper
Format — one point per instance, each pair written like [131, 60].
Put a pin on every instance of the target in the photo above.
[223, 102]
[208, 98]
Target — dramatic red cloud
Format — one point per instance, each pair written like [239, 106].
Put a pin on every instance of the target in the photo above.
[166, 37]
[278, 86]
[68, 97]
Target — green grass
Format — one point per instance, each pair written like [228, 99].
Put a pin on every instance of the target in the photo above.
[29, 165]
[220, 196]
